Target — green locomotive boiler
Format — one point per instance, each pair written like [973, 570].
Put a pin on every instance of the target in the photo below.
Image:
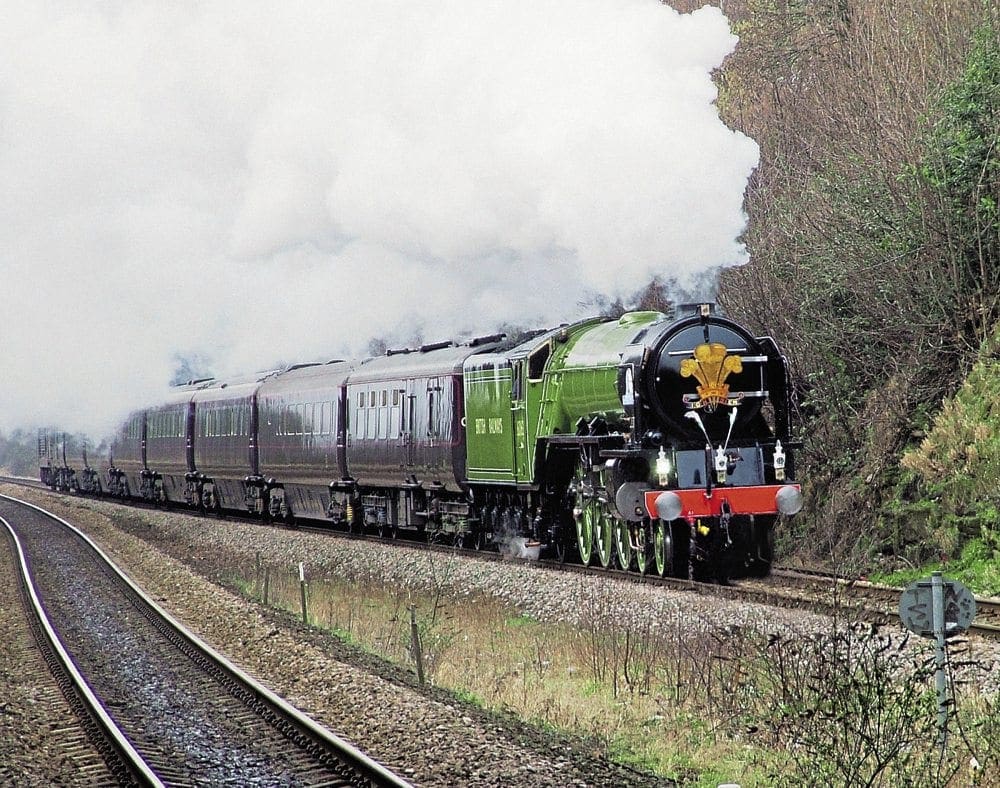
[654, 444]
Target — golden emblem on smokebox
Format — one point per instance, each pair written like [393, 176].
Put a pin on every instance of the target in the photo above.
[711, 366]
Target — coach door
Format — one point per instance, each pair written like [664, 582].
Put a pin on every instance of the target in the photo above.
[407, 434]
[519, 418]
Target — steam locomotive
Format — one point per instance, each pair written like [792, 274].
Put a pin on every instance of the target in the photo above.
[654, 444]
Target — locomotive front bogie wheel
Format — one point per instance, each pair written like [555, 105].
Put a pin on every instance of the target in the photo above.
[762, 547]
[584, 516]
[663, 549]
[561, 548]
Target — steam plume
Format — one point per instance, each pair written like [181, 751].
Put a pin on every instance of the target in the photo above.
[252, 182]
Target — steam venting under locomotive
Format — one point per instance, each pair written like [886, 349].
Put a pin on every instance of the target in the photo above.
[653, 444]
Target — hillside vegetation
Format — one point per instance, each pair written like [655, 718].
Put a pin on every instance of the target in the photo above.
[875, 255]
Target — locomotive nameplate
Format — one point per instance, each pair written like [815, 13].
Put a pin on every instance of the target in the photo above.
[491, 426]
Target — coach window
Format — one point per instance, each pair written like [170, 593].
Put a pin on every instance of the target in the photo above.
[434, 407]
[394, 425]
[371, 429]
[383, 415]
[536, 362]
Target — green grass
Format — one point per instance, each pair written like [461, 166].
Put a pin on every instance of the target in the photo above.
[977, 567]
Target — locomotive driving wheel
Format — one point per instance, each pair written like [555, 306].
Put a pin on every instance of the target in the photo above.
[584, 515]
[623, 544]
[604, 528]
[594, 523]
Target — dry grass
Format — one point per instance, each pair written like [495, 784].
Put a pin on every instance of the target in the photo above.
[637, 700]
[700, 708]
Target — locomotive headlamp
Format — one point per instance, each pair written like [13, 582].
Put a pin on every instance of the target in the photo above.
[668, 506]
[779, 462]
[663, 468]
[789, 500]
[720, 465]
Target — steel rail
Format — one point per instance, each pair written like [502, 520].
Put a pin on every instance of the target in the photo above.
[367, 768]
[137, 766]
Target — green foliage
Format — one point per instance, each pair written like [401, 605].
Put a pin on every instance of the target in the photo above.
[955, 473]
[874, 235]
[467, 696]
[977, 567]
[19, 453]
[960, 174]
[967, 164]
[521, 620]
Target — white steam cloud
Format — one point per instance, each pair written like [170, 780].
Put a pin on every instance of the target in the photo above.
[248, 182]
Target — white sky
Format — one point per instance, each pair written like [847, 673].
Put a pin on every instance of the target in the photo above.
[249, 182]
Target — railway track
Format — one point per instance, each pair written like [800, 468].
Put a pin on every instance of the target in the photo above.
[161, 706]
[797, 589]
[878, 600]
[814, 591]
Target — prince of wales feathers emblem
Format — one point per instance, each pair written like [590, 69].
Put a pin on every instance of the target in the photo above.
[711, 366]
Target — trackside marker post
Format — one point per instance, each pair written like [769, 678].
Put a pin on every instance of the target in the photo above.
[302, 591]
[415, 644]
[939, 609]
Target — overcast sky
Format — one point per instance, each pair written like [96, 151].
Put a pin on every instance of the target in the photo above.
[253, 182]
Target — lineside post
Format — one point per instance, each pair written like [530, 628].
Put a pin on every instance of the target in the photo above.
[302, 592]
[940, 680]
[418, 655]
